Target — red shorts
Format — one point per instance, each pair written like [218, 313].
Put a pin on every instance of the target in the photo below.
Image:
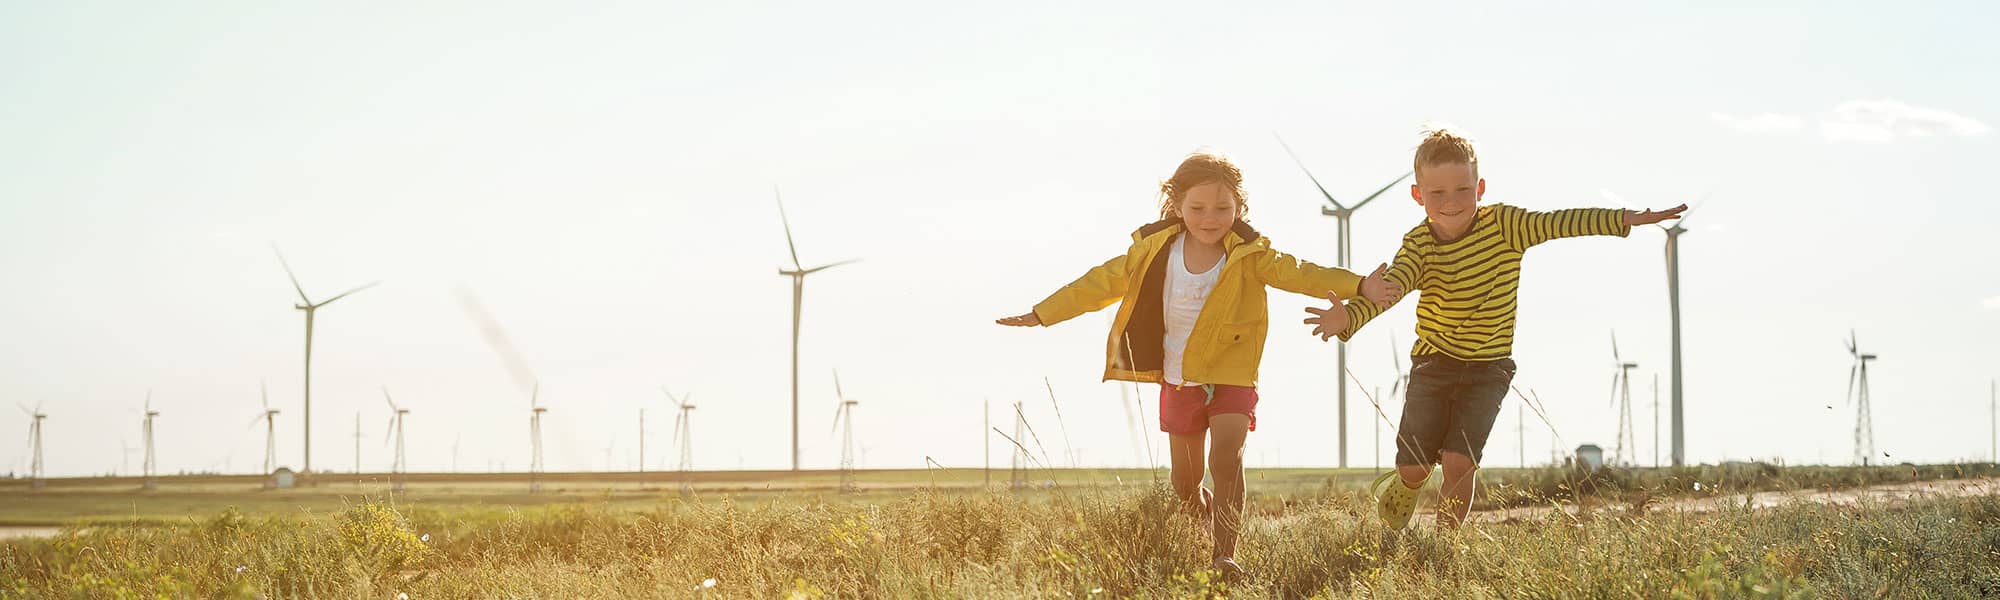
[1184, 410]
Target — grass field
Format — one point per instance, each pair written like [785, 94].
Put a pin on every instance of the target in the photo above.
[1107, 533]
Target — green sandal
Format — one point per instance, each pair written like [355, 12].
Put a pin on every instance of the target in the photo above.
[1394, 502]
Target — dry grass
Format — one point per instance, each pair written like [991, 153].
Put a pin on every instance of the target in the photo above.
[1102, 542]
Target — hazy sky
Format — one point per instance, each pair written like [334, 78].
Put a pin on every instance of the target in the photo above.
[602, 178]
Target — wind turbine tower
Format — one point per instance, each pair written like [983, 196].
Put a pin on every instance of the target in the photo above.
[843, 418]
[148, 433]
[311, 309]
[683, 436]
[1864, 428]
[35, 418]
[1342, 214]
[395, 427]
[269, 416]
[535, 410]
[1621, 400]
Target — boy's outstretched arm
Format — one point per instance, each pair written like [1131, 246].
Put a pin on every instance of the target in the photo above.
[1527, 228]
[1344, 320]
[1100, 287]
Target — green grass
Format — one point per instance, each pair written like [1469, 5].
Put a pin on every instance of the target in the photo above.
[1309, 535]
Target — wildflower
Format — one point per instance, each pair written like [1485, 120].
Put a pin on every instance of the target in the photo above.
[708, 583]
[1697, 486]
[426, 538]
[402, 596]
[241, 568]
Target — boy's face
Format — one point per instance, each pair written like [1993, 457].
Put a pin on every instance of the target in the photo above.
[1450, 196]
[1208, 210]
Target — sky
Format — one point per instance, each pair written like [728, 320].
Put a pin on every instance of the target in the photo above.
[604, 180]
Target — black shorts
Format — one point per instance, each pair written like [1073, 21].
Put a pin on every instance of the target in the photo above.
[1450, 406]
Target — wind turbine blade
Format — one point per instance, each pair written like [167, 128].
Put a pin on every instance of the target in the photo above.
[1853, 344]
[149, 402]
[787, 221]
[496, 339]
[389, 431]
[1392, 183]
[24, 409]
[1614, 349]
[1849, 398]
[678, 421]
[264, 393]
[392, 401]
[288, 273]
[255, 419]
[344, 294]
[1309, 174]
[1614, 388]
[829, 266]
[839, 410]
[836, 386]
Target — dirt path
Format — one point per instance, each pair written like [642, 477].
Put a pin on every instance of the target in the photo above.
[1891, 494]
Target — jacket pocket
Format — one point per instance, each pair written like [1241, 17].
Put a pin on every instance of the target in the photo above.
[1230, 334]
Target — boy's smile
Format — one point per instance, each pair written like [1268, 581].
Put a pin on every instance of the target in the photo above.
[1450, 196]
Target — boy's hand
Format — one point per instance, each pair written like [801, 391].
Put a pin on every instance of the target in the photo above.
[1650, 217]
[1378, 290]
[1328, 322]
[1027, 320]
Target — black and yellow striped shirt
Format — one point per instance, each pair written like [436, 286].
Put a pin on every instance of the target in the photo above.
[1470, 285]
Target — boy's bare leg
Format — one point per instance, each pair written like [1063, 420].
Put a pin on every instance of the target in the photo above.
[1187, 472]
[1225, 460]
[1414, 475]
[1455, 493]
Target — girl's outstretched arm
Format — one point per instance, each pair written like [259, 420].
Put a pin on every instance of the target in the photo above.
[1102, 286]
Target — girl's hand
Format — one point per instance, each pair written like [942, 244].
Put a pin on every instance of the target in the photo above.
[1650, 217]
[1328, 322]
[1378, 290]
[1027, 320]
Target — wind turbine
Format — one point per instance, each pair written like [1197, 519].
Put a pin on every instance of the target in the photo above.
[798, 273]
[1864, 428]
[1673, 253]
[395, 429]
[148, 432]
[1342, 214]
[683, 435]
[843, 419]
[35, 418]
[1621, 400]
[125, 450]
[306, 304]
[535, 410]
[269, 417]
[1401, 385]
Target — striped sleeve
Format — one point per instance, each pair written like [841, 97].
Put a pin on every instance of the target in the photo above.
[1405, 271]
[1527, 228]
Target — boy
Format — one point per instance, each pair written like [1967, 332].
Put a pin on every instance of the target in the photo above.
[1466, 259]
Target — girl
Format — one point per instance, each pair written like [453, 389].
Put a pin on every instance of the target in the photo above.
[1191, 317]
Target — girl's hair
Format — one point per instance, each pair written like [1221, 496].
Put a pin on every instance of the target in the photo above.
[1205, 165]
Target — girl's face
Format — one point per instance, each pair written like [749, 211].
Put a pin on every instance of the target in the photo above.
[1208, 210]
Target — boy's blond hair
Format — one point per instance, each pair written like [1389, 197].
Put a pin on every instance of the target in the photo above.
[1443, 145]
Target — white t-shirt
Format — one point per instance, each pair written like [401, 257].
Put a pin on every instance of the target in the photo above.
[1185, 294]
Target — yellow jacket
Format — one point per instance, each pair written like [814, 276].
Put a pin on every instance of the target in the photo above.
[1227, 341]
